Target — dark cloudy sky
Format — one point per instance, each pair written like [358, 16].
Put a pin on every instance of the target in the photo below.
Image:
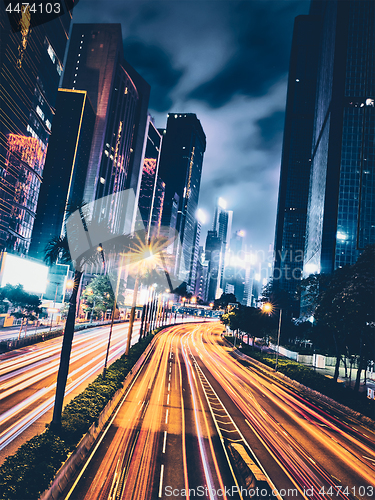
[226, 61]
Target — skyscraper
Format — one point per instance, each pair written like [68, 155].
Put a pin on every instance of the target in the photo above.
[296, 156]
[341, 206]
[31, 66]
[65, 167]
[213, 257]
[119, 96]
[152, 190]
[184, 144]
[222, 224]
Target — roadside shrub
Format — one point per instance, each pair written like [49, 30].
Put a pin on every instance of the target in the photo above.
[314, 380]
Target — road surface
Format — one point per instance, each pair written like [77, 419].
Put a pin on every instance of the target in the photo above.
[193, 402]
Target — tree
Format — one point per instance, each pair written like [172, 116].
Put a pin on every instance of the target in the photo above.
[248, 320]
[345, 310]
[77, 242]
[181, 291]
[27, 305]
[224, 300]
[253, 322]
[100, 297]
[355, 304]
[330, 324]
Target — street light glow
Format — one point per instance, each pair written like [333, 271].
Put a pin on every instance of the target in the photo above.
[267, 307]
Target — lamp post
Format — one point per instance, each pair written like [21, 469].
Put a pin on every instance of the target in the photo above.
[54, 302]
[278, 341]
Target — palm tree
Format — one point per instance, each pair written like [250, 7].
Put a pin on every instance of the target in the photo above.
[61, 249]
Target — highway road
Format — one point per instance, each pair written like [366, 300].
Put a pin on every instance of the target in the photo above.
[193, 409]
[28, 380]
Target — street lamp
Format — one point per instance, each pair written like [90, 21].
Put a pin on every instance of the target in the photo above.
[278, 340]
[54, 303]
[268, 308]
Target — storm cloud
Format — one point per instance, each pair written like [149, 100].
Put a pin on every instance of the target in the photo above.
[226, 61]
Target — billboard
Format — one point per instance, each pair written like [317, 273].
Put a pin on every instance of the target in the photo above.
[16, 270]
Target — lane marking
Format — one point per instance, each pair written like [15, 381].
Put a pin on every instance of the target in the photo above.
[169, 378]
[168, 399]
[166, 416]
[161, 480]
[169, 386]
[165, 441]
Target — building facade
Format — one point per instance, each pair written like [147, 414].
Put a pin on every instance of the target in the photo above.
[213, 258]
[31, 67]
[222, 224]
[296, 157]
[119, 96]
[184, 144]
[152, 190]
[341, 206]
[66, 166]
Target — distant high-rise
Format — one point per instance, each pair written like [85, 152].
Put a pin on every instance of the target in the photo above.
[31, 66]
[296, 156]
[236, 273]
[200, 290]
[341, 206]
[184, 144]
[222, 224]
[119, 96]
[213, 257]
[65, 167]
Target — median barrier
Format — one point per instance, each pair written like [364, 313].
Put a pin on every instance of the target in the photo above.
[70, 467]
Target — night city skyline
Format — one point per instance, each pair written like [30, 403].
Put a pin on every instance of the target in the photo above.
[227, 62]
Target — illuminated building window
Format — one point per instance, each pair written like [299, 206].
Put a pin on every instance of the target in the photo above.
[51, 53]
[40, 112]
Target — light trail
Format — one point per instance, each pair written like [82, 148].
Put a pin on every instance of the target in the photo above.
[26, 372]
[240, 384]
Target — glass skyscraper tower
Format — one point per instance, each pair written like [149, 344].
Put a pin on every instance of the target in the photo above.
[119, 96]
[326, 211]
[31, 67]
[184, 144]
[341, 207]
[296, 157]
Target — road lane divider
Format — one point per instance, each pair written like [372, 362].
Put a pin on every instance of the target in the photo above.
[164, 441]
[85, 450]
[161, 481]
[246, 469]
